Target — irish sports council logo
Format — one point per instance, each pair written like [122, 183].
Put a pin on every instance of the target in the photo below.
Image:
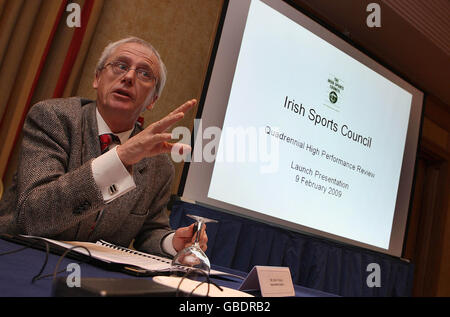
[334, 92]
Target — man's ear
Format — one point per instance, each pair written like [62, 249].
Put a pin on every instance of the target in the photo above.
[152, 102]
[95, 82]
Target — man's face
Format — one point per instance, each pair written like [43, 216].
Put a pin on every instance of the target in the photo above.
[122, 97]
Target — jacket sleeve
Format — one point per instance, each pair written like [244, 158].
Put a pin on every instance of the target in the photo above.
[156, 227]
[50, 197]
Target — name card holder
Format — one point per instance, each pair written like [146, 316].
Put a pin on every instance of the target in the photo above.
[272, 281]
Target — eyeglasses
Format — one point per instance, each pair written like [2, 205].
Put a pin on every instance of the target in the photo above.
[121, 68]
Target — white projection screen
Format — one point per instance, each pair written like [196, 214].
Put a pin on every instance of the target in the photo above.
[301, 130]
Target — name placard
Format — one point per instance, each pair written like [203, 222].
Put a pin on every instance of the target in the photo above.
[272, 281]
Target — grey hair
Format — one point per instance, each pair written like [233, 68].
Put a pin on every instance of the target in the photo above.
[109, 49]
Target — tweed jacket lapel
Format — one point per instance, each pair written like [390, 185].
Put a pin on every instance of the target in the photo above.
[91, 144]
[90, 149]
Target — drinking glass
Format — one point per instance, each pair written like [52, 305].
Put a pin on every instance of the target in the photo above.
[193, 256]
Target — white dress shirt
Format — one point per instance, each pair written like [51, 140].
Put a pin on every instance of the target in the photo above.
[112, 177]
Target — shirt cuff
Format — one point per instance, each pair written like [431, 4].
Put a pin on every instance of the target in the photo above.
[167, 245]
[111, 176]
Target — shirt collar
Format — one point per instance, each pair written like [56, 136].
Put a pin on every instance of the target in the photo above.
[104, 128]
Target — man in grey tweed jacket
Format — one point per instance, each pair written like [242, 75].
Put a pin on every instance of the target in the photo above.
[66, 189]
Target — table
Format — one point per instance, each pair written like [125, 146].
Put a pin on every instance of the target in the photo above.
[18, 269]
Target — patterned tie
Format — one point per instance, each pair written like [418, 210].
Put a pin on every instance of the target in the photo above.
[106, 139]
[140, 121]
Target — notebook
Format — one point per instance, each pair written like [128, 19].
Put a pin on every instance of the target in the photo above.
[128, 260]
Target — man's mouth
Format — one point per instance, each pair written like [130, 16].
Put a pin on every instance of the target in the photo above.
[123, 93]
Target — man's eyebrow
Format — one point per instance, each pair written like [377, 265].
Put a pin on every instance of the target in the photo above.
[124, 58]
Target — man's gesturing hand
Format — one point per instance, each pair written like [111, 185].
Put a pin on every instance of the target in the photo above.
[154, 139]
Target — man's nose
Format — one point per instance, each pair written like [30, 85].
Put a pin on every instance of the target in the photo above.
[130, 76]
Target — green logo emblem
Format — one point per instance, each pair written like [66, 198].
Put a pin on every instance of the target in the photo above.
[333, 97]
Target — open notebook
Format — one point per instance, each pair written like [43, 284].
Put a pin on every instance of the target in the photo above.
[130, 261]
